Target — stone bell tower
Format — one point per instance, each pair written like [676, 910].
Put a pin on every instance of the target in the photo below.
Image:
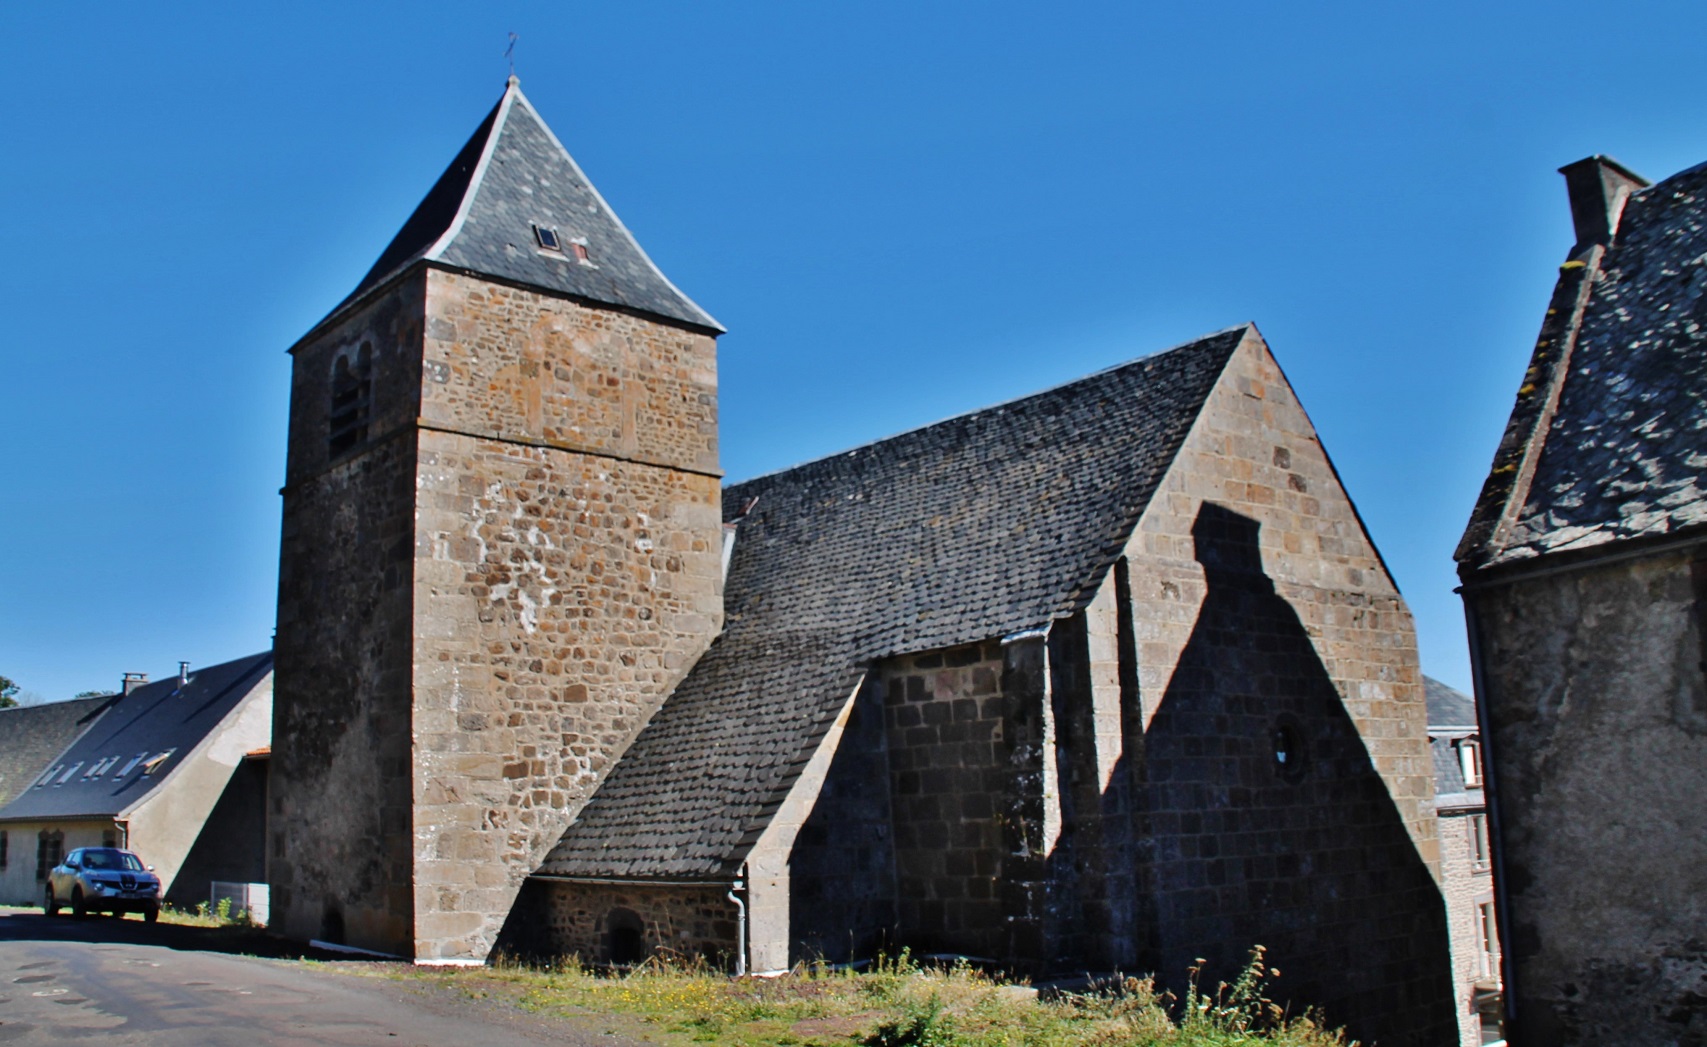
[500, 547]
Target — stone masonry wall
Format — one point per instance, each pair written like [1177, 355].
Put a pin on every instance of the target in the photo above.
[567, 575]
[1465, 886]
[684, 923]
[340, 775]
[965, 788]
[841, 896]
[1594, 693]
[1265, 624]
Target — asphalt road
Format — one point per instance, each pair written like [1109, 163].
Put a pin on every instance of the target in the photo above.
[121, 982]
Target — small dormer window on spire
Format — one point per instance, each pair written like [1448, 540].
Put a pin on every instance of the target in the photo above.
[548, 238]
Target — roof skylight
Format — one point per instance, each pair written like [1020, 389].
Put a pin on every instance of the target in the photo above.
[548, 238]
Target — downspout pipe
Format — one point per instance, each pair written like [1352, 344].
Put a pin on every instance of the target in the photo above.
[740, 921]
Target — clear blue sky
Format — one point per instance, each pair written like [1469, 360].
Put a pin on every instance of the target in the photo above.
[900, 210]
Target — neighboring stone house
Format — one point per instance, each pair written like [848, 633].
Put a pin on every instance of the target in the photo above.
[30, 737]
[1466, 859]
[1584, 573]
[164, 770]
[1107, 677]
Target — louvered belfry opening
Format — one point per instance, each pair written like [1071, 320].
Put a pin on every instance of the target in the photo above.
[352, 401]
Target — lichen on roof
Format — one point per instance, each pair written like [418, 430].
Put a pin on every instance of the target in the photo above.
[1625, 452]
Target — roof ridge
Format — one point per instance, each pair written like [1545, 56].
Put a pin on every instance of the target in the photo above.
[1058, 387]
[506, 102]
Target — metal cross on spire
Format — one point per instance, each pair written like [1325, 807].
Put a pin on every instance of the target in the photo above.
[510, 55]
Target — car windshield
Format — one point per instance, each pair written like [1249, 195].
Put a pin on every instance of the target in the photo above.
[107, 858]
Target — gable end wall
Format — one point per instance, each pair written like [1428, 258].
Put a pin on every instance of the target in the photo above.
[1304, 630]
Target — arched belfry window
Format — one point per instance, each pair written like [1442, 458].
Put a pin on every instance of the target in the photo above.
[352, 400]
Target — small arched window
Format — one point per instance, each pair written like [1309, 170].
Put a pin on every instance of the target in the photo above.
[352, 401]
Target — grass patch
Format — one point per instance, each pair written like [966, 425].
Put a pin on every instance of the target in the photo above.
[897, 1003]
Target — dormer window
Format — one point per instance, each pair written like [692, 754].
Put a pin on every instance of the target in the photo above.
[352, 401]
[1470, 759]
[548, 239]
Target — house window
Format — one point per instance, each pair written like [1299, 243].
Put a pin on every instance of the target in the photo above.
[50, 851]
[1470, 758]
[352, 401]
[5, 847]
[109, 837]
[1479, 853]
[1490, 939]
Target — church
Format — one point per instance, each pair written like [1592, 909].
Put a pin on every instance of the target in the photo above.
[1107, 677]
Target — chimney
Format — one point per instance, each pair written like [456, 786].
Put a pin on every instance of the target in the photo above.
[1598, 187]
[183, 673]
[132, 681]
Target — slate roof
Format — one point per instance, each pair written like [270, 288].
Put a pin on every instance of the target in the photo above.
[1450, 792]
[1625, 454]
[1448, 706]
[981, 526]
[32, 735]
[480, 215]
[155, 718]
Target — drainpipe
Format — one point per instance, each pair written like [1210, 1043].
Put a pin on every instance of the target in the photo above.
[740, 922]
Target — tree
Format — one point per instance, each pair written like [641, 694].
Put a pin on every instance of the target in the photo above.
[8, 693]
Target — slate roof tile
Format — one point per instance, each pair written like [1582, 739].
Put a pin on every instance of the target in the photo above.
[32, 735]
[977, 527]
[1448, 706]
[152, 719]
[480, 215]
[1625, 455]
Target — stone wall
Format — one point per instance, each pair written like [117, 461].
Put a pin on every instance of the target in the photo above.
[964, 777]
[567, 575]
[483, 602]
[1466, 887]
[1265, 625]
[684, 923]
[340, 790]
[1594, 694]
[842, 863]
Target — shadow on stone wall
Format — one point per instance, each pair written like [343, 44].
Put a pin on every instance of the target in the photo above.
[842, 867]
[1270, 824]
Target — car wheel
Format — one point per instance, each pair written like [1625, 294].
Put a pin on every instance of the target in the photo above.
[77, 908]
[151, 915]
[49, 903]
